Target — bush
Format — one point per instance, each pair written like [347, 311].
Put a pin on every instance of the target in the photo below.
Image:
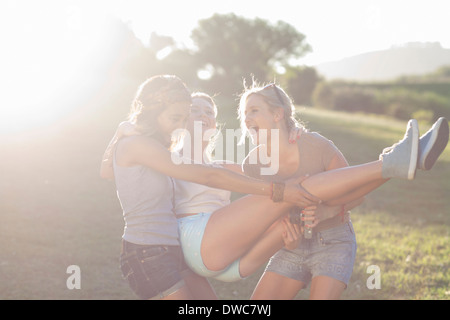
[398, 102]
[422, 115]
[323, 96]
[301, 82]
[403, 104]
[355, 99]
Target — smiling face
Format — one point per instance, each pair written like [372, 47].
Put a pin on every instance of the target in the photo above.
[172, 118]
[201, 111]
[259, 116]
[161, 106]
[272, 100]
[201, 128]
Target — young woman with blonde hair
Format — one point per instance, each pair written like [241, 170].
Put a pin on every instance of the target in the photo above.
[327, 257]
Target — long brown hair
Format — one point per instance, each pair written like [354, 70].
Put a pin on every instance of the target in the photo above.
[152, 97]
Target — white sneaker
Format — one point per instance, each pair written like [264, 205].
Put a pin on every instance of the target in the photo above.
[400, 160]
[432, 144]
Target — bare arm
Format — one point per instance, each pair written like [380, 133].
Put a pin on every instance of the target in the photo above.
[292, 234]
[322, 211]
[106, 167]
[125, 128]
[233, 167]
[140, 150]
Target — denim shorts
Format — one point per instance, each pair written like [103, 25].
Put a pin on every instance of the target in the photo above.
[153, 272]
[191, 230]
[329, 253]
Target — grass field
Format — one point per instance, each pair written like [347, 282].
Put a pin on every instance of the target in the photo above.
[55, 212]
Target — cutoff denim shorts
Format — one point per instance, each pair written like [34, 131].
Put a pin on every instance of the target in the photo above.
[153, 272]
[191, 230]
[329, 253]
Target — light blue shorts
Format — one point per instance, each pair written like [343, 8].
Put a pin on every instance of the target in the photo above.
[191, 230]
[329, 253]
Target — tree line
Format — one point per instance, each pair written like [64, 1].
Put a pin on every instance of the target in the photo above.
[229, 50]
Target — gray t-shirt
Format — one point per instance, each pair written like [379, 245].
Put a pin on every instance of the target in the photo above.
[146, 197]
[316, 153]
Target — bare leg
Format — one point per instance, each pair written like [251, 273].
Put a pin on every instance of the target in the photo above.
[182, 294]
[199, 287]
[326, 288]
[332, 184]
[357, 193]
[233, 230]
[274, 286]
[268, 244]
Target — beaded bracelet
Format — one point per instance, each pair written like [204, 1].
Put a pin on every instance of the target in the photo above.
[278, 191]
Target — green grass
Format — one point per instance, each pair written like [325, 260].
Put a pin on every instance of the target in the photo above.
[403, 227]
[55, 212]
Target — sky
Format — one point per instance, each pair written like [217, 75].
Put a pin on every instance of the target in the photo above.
[334, 29]
[40, 38]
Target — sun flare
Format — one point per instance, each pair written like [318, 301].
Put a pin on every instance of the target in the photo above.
[50, 50]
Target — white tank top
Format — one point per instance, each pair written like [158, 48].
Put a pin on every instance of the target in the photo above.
[196, 198]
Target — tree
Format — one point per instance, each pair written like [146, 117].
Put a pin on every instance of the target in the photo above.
[235, 48]
[162, 56]
[158, 42]
[323, 96]
[300, 83]
[443, 72]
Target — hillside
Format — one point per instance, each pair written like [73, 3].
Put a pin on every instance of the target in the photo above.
[410, 59]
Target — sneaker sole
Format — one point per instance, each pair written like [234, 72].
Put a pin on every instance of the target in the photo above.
[414, 150]
[436, 145]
